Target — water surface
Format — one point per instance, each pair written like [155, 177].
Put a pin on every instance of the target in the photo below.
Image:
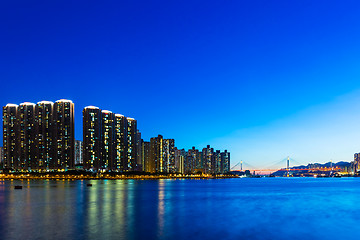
[266, 208]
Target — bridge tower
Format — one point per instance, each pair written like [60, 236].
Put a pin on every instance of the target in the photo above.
[331, 167]
[241, 165]
[288, 166]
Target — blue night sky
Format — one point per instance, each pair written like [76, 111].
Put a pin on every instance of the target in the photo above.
[264, 79]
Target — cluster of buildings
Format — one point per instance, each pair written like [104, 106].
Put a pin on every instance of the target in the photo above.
[356, 162]
[41, 137]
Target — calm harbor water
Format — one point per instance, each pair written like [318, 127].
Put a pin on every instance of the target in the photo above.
[265, 208]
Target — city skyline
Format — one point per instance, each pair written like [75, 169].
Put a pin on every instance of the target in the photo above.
[40, 137]
[267, 78]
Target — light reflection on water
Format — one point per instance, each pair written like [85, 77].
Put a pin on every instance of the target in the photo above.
[271, 208]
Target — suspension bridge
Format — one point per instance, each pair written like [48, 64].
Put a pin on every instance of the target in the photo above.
[282, 165]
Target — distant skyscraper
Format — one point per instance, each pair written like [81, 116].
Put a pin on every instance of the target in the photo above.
[166, 154]
[191, 160]
[356, 162]
[139, 163]
[217, 162]
[169, 155]
[208, 159]
[10, 136]
[92, 138]
[225, 162]
[180, 156]
[64, 134]
[44, 134]
[78, 152]
[145, 149]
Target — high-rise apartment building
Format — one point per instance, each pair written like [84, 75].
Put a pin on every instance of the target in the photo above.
[193, 161]
[139, 163]
[189, 164]
[131, 144]
[145, 149]
[44, 134]
[156, 155]
[180, 155]
[64, 133]
[225, 162]
[217, 163]
[208, 159]
[10, 136]
[120, 143]
[108, 144]
[92, 138]
[26, 136]
[169, 155]
[356, 162]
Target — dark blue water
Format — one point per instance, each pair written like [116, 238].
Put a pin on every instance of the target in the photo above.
[266, 208]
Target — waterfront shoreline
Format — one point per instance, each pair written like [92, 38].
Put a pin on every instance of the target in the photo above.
[120, 177]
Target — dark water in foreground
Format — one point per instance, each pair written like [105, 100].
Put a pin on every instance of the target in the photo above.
[267, 208]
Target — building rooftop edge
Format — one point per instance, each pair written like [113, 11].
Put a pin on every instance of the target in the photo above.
[64, 100]
[91, 107]
[11, 105]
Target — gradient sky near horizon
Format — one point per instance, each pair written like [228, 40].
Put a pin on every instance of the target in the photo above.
[263, 79]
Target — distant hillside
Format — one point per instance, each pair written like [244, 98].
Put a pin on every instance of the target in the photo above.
[314, 166]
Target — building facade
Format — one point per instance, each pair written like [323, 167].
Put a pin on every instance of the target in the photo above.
[145, 149]
[225, 162]
[45, 134]
[78, 152]
[162, 155]
[1, 155]
[10, 137]
[26, 136]
[156, 155]
[180, 155]
[91, 138]
[356, 162]
[208, 160]
[169, 155]
[131, 164]
[139, 144]
[64, 132]
[107, 140]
